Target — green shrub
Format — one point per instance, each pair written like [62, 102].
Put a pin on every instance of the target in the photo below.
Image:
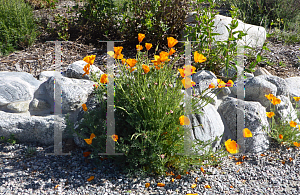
[159, 19]
[120, 20]
[17, 26]
[263, 12]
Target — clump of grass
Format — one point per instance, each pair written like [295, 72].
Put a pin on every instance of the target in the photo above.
[17, 26]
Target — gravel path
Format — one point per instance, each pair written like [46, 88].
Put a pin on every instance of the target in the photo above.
[44, 174]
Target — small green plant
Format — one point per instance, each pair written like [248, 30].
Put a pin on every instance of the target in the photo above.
[17, 26]
[219, 53]
[31, 151]
[63, 23]
[11, 139]
[287, 134]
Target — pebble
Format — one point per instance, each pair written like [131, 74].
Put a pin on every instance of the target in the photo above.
[47, 174]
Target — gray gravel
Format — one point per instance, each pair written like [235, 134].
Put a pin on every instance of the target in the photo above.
[40, 174]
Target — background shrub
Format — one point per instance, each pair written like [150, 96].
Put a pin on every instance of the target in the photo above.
[263, 12]
[17, 26]
[122, 20]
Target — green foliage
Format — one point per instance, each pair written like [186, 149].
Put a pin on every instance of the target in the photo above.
[99, 18]
[122, 20]
[158, 19]
[218, 53]
[17, 26]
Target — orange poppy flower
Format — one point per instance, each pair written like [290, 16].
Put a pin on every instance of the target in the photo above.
[296, 98]
[296, 144]
[145, 68]
[229, 83]
[171, 51]
[171, 42]
[141, 37]
[275, 101]
[247, 132]
[114, 137]
[148, 46]
[207, 186]
[156, 60]
[139, 47]
[178, 177]
[186, 84]
[91, 178]
[211, 86]
[270, 114]
[181, 71]
[86, 154]
[202, 169]
[84, 107]
[147, 185]
[131, 62]
[90, 59]
[189, 70]
[293, 124]
[270, 96]
[199, 57]
[280, 136]
[232, 146]
[164, 56]
[161, 184]
[86, 69]
[194, 185]
[184, 120]
[104, 78]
